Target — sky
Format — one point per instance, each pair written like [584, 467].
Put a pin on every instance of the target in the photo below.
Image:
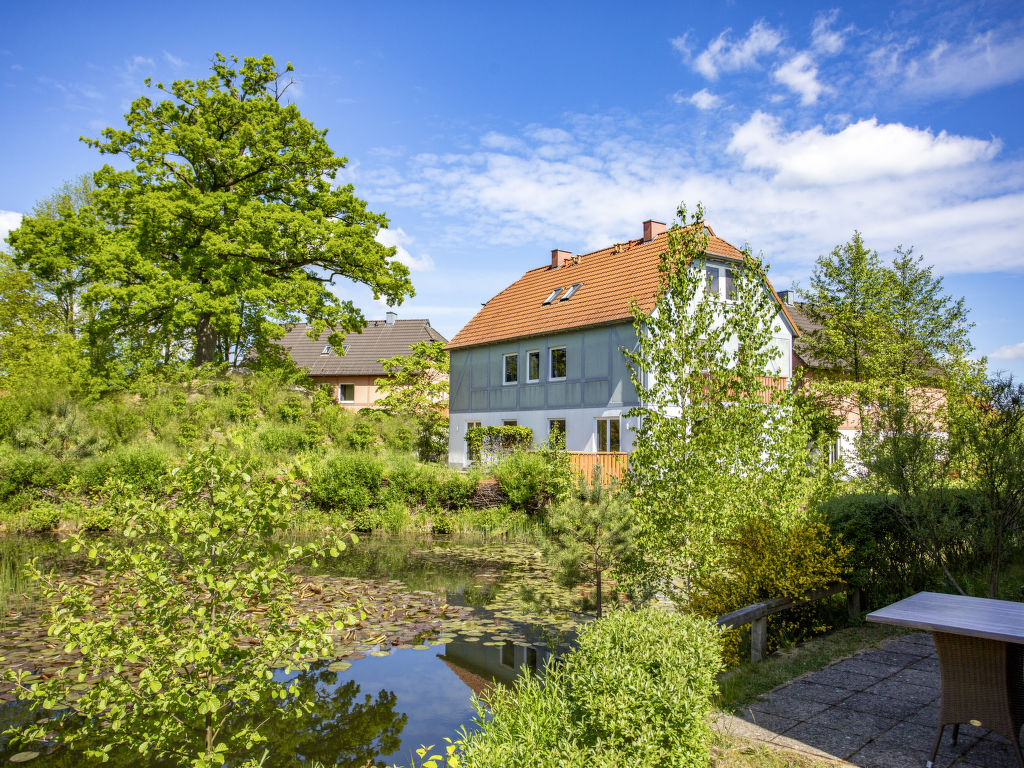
[492, 133]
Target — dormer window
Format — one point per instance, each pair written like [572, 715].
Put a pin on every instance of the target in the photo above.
[551, 298]
[326, 350]
[571, 292]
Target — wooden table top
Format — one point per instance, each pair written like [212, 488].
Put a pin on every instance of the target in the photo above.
[957, 615]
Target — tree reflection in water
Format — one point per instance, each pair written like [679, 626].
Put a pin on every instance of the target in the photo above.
[344, 727]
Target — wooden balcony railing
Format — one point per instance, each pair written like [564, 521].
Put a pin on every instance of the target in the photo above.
[612, 464]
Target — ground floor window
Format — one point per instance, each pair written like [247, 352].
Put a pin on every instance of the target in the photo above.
[835, 450]
[556, 433]
[509, 423]
[346, 393]
[608, 435]
[471, 453]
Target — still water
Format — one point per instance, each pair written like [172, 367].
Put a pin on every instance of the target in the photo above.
[381, 708]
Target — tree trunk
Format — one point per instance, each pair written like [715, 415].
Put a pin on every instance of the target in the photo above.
[597, 563]
[206, 342]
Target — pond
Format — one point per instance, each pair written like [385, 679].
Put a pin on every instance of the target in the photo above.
[447, 618]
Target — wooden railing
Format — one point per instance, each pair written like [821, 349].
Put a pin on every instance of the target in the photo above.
[612, 464]
[756, 615]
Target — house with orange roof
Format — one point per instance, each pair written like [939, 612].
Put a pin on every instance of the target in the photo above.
[546, 352]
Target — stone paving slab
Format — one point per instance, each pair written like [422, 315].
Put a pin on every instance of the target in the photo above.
[877, 709]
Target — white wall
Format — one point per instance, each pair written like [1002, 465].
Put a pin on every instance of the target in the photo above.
[580, 428]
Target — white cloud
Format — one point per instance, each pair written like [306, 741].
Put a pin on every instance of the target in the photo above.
[825, 39]
[793, 194]
[726, 55]
[1009, 352]
[401, 241]
[800, 75]
[863, 151]
[987, 61]
[8, 220]
[173, 60]
[702, 99]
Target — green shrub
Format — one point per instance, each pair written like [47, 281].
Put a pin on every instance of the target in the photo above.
[489, 444]
[531, 480]
[40, 518]
[398, 435]
[442, 522]
[244, 408]
[394, 517]
[366, 520]
[885, 560]
[120, 420]
[409, 482]
[456, 488]
[286, 438]
[362, 436]
[636, 693]
[31, 468]
[140, 466]
[347, 482]
[293, 408]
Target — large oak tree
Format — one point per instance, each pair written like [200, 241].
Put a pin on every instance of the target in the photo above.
[224, 225]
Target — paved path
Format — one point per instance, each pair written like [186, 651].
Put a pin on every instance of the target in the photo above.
[877, 709]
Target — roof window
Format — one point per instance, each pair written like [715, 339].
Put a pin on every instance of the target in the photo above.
[571, 292]
[326, 350]
[551, 298]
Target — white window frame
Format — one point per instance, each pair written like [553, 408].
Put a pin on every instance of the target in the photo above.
[607, 420]
[551, 364]
[347, 384]
[726, 271]
[529, 355]
[708, 268]
[504, 369]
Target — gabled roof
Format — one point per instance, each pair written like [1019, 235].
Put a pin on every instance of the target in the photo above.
[610, 277]
[378, 339]
[806, 326]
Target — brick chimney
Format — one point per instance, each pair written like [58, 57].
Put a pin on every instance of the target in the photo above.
[558, 258]
[652, 229]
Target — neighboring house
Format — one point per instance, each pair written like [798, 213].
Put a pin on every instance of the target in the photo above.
[847, 413]
[353, 374]
[546, 352]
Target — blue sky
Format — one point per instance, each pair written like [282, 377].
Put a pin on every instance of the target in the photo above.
[491, 134]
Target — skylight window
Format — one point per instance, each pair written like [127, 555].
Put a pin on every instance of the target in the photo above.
[551, 298]
[326, 350]
[571, 292]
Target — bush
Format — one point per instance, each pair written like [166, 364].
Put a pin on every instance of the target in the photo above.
[140, 466]
[347, 483]
[532, 480]
[441, 522]
[456, 488]
[293, 408]
[885, 560]
[395, 517]
[764, 560]
[636, 692]
[366, 520]
[31, 468]
[287, 438]
[362, 436]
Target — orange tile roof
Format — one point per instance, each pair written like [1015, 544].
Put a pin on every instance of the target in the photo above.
[611, 278]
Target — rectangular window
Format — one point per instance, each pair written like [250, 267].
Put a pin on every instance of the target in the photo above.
[730, 285]
[471, 453]
[533, 366]
[556, 433]
[509, 423]
[551, 296]
[608, 435]
[346, 393]
[326, 350]
[571, 292]
[557, 360]
[712, 277]
[512, 368]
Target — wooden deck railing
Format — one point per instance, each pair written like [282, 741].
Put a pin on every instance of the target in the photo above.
[612, 464]
[756, 615]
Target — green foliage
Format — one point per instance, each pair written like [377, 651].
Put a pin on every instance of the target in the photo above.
[591, 533]
[218, 227]
[417, 387]
[64, 433]
[347, 482]
[531, 480]
[636, 693]
[119, 420]
[442, 522]
[31, 469]
[494, 444]
[141, 466]
[362, 436]
[713, 446]
[195, 575]
[766, 560]
[293, 408]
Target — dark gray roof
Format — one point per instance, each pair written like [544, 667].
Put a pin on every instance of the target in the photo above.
[807, 327]
[378, 339]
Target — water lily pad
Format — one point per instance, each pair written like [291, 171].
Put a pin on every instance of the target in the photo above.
[338, 666]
